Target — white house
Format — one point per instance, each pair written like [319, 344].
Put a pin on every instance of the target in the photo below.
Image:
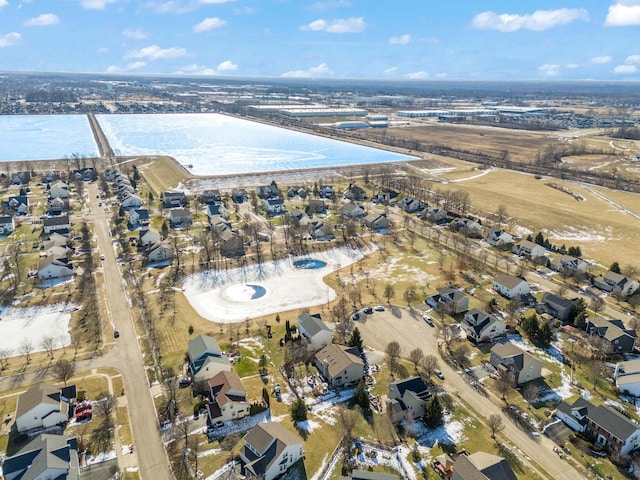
[40, 407]
[269, 451]
[131, 201]
[274, 206]
[206, 359]
[627, 377]
[59, 189]
[481, 327]
[160, 253]
[45, 457]
[529, 249]
[497, 237]
[54, 266]
[56, 224]
[7, 225]
[314, 331]
[148, 236]
[229, 398]
[510, 286]
[180, 217]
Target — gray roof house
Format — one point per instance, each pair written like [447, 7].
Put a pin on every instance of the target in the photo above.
[148, 236]
[528, 249]
[556, 306]
[340, 365]
[180, 217]
[352, 211]
[269, 451]
[520, 365]
[615, 337]
[609, 427]
[40, 407]
[407, 398]
[616, 283]
[480, 327]
[367, 475]
[173, 199]
[482, 466]
[7, 225]
[376, 221]
[45, 457]
[568, 264]
[314, 331]
[205, 358]
[510, 286]
[497, 237]
[453, 300]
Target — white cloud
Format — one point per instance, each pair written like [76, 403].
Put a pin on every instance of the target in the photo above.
[209, 24]
[572, 66]
[421, 75]
[321, 70]
[625, 69]
[172, 6]
[245, 11]
[623, 14]
[549, 70]
[328, 4]
[154, 52]
[102, 50]
[227, 66]
[3, 3]
[127, 68]
[137, 34]
[401, 40]
[339, 25]
[195, 69]
[9, 39]
[601, 60]
[96, 4]
[42, 20]
[390, 71]
[536, 21]
[633, 60]
[209, 2]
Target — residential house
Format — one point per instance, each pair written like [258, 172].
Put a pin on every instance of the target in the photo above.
[367, 475]
[216, 209]
[268, 191]
[51, 176]
[206, 359]
[18, 204]
[298, 215]
[556, 306]
[211, 197]
[174, 199]
[435, 215]
[497, 237]
[352, 211]
[44, 457]
[340, 365]
[218, 224]
[125, 189]
[20, 178]
[87, 174]
[627, 377]
[43, 406]
[59, 189]
[481, 466]
[228, 398]
[56, 246]
[231, 244]
[57, 206]
[407, 398]
[609, 427]
[377, 221]
[355, 193]
[326, 191]
[180, 217]
[7, 225]
[448, 300]
[319, 230]
[616, 283]
[411, 205]
[314, 331]
[528, 249]
[615, 337]
[384, 197]
[131, 201]
[481, 327]
[274, 206]
[269, 451]
[510, 286]
[161, 252]
[54, 266]
[567, 264]
[296, 191]
[239, 195]
[316, 206]
[148, 236]
[521, 366]
[56, 224]
[466, 226]
[137, 218]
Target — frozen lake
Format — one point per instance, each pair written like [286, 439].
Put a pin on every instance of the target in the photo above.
[220, 145]
[45, 137]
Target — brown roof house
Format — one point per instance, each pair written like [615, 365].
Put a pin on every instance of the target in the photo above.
[269, 451]
[407, 399]
[231, 244]
[228, 398]
[510, 286]
[54, 266]
[340, 365]
[520, 364]
[482, 466]
[616, 338]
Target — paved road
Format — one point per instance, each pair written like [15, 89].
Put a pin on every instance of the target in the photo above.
[127, 357]
[410, 331]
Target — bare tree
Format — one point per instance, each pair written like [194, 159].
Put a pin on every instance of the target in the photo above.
[445, 333]
[26, 348]
[105, 404]
[389, 292]
[393, 353]
[502, 215]
[530, 392]
[429, 365]
[64, 369]
[461, 354]
[504, 383]
[348, 420]
[495, 424]
[5, 353]
[48, 344]
[597, 304]
[416, 355]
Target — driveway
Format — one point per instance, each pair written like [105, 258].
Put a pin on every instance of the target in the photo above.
[411, 331]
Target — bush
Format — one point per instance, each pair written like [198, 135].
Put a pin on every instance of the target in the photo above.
[256, 408]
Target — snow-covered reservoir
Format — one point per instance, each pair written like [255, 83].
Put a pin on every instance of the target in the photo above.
[215, 144]
[235, 295]
[45, 137]
[22, 326]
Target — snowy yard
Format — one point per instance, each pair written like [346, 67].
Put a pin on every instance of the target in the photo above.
[20, 327]
[234, 295]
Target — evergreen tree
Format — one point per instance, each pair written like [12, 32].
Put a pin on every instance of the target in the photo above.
[539, 238]
[361, 397]
[299, 411]
[615, 268]
[530, 325]
[165, 230]
[433, 412]
[578, 313]
[545, 334]
[356, 339]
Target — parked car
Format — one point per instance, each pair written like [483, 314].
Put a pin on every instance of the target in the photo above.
[116, 334]
[356, 316]
[439, 374]
[184, 382]
[427, 319]
[218, 424]
[368, 310]
[84, 415]
[379, 308]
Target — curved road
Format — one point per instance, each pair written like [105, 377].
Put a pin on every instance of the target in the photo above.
[410, 331]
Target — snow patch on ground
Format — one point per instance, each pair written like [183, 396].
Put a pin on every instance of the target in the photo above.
[287, 287]
[21, 326]
[574, 234]
[308, 425]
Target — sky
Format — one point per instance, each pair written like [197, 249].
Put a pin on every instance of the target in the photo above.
[365, 39]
